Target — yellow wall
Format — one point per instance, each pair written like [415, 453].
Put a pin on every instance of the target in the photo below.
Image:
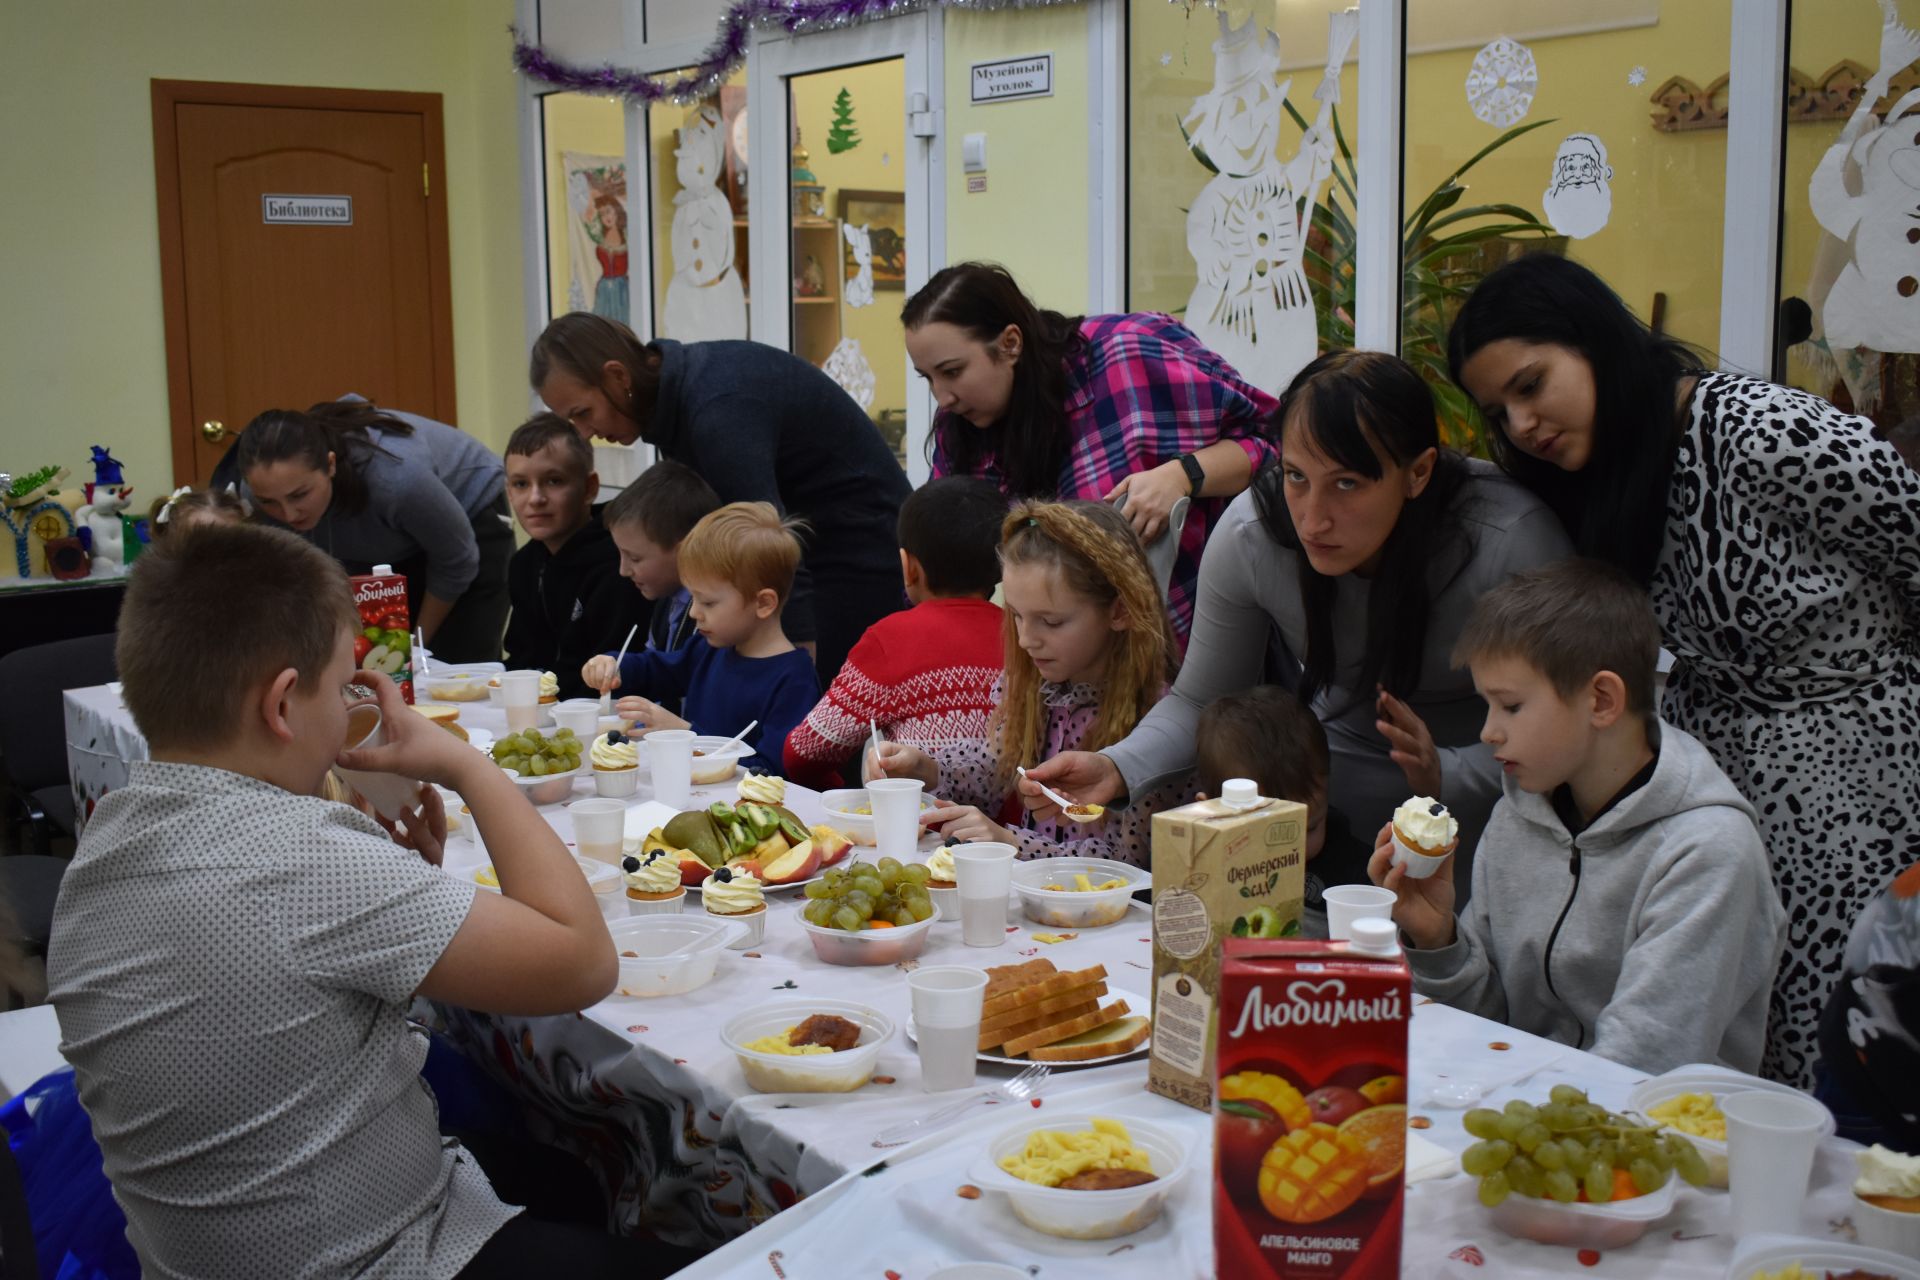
[82, 349]
[1033, 215]
[592, 126]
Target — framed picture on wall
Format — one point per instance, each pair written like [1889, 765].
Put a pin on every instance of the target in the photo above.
[884, 214]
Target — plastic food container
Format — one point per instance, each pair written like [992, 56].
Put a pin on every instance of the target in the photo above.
[812, 1073]
[839, 805]
[1613, 1225]
[710, 767]
[1086, 1215]
[460, 684]
[1758, 1254]
[642, 944]
[869, 946]
[1717, 1083]
[1074, 910]
[604, 879]
[550, 788]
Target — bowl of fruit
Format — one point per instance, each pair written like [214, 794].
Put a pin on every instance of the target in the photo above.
[1075, 893]
[545, 765]
[1686, 1101]
[711, 764]
[1568, 1172]
[768, 842]
[850, 810]
[869, 913]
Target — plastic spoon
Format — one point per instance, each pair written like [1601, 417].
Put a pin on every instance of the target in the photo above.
[734, 741]
[1085, 812]
[606, 695]
[874, 744]
[420, 647]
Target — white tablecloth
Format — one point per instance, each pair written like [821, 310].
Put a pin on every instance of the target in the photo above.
[647, 1093]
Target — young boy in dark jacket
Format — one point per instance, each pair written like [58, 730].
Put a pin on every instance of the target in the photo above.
[568, 600]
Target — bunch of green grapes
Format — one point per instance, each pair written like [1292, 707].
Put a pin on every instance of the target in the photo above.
[863, 895]
[532, 754]
[1571, 1149]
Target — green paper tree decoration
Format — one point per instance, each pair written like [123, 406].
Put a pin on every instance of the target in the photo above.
[842, 136]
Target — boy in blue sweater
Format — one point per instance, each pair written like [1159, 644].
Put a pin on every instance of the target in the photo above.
[738, 565]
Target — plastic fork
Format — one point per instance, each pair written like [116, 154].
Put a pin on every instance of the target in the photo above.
[1022, 1087]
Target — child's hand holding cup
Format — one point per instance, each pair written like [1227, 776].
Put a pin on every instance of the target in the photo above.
[1423, 906]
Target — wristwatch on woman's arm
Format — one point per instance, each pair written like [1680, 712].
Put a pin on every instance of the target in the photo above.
[1195, 476]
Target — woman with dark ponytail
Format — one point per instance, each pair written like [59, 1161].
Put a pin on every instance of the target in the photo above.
[1089, 407]
[759, 425]
[372, 486]
[1780, 539]
[1360, 554]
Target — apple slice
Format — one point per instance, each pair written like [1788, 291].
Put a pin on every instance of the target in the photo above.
[771, 849]
[797, 863]
[833, 846]
[747, 866]
[693, 871]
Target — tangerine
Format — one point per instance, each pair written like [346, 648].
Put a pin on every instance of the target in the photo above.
[1382, 1133]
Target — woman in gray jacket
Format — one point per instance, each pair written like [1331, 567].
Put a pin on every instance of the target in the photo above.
[1350, 566]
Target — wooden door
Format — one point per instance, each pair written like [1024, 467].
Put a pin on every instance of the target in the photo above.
[303, 255]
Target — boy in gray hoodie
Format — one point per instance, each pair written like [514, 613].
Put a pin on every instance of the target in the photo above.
[1622, 900]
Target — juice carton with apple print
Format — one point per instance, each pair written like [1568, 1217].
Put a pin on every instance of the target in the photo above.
[1220, 870]
[1310, 1117]
[385, 641]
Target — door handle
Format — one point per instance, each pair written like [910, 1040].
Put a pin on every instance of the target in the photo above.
[213, 432]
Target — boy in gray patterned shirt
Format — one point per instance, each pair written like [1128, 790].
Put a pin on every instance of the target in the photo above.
[232, 956]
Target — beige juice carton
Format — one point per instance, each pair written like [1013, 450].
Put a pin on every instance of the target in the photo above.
[1231, 867]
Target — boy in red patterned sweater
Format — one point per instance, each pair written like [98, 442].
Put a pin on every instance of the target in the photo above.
[923, 676]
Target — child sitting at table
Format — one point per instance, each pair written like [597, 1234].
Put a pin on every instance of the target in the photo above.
[648, 521]
[564, 584]
[233, 957]
[1087, 651]
[1622, 901]
[738, 565]
[186, 507]
[1268, 735]
[923, 676]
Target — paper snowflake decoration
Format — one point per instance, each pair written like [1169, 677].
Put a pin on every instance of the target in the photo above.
[1637, 77]
[1166, 59]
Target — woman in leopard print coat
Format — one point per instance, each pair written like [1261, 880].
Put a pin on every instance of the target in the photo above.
[1780, 540]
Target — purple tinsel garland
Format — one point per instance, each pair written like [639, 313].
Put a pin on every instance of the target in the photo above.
[729, 47]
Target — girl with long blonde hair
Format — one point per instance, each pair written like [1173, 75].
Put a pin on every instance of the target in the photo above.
[1088, 651]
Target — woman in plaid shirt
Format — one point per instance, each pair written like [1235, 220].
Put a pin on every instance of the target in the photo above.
[1092, 407]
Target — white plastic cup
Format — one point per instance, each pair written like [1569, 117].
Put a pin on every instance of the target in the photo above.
[388, 793]
[1349, 902]
[670, 761]
[896, 816]
[520, 695]
[983, 872]
[1418, 863]
[1771, 1139]
[582, 715]
[947, 1004]
[599, 826]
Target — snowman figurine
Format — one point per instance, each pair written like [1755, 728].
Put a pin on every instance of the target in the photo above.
[101, 518]
[860, 244]
[1866, 193]
[704, 297]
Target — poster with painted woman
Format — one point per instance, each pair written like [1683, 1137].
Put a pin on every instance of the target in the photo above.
[597, 235]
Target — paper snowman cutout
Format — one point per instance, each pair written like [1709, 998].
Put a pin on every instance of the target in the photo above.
[1246, 230]
[1579, 198]
[704, 296]
[860, 244]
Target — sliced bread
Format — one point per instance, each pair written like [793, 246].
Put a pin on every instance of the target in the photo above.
[1004, 1022]
[988, 1039]
[1062, 1030]
[1121, 1036]
[1034, 992]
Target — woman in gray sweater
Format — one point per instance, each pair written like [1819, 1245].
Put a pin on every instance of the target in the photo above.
[371, 486]
[1350, 567]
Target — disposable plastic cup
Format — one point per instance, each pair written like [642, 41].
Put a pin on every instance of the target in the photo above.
[947, 1000]
[1771, 1139]
[388, 793]
[1349, 902]
[984, 874]
[896, 816]
[598, 827]
[582, 715]
[670, 759]
[520, 696]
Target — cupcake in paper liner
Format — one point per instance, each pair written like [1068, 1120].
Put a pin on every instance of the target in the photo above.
[616, 765]
[737, 895]
[1425, 835]
[943, 886]
[653, 884]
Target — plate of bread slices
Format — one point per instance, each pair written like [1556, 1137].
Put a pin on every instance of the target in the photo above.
[1035, 1012]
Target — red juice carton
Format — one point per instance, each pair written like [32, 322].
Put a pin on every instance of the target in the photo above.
[385, 642]
[1310, 1116]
